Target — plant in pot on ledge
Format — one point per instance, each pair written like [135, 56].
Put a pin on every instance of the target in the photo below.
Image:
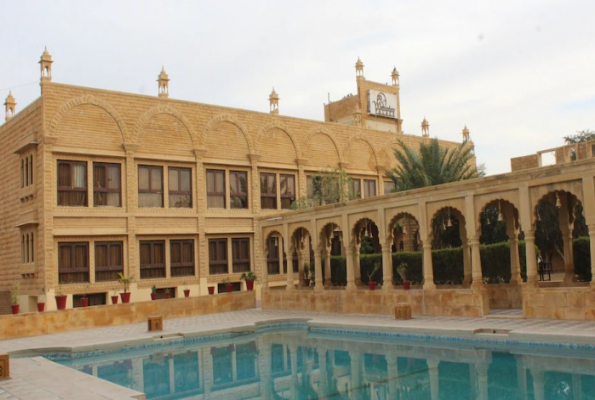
[167, 294]
[186, 291]
[153, 292]
[85, 299]
[228, 285]
[402, 271]
[125, 281]
[60, 299]
[115, 297]
[249, 277]
[14, 298]
[371, 281]
[41, 302]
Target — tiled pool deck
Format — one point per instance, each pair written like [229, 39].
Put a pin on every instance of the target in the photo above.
[37, 378]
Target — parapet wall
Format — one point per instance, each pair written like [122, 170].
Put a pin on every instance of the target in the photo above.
[34, 324]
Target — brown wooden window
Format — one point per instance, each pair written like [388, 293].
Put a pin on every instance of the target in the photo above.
[180, 187]
[72, 183]
[389, 186]
[355, 189]
[287, 189]
[31, 169]
[152, 259]
[273, 255]
[217, 256]
[240, 253]
[369, 188]
[215, 188]
[150, 186]
[73, 262]
[238, 189]
[107, 186]
[109, 260]
[182, 257]
[268, 191]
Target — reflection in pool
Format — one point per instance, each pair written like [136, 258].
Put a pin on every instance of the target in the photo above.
[292, 362]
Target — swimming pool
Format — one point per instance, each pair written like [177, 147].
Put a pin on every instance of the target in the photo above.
[298, 361]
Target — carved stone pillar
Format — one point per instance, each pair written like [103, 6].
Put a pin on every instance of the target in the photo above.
[290, 278]
[357, 268]
[466, 264]
[476, 273]
[387, 267]
[327, 266]
[531, 258]
[515, 264]
[427, 266]
[350, 268]
[318, 269]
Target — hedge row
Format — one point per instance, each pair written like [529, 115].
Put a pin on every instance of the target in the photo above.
[448, 264]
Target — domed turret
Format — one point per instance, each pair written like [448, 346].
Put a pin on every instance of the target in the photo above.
[425, 128]
[163, 83]
[274, 102]
[45, 64]
[10, 104]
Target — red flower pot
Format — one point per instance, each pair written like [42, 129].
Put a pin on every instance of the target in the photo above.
[406, 285]
[228, 287]
[15, 308]
[40, 306]
[211, 289]
[84, 302]
[61, 302]
[372, 285]
[167, 295]
[186, 292]
[249, 285]
[114, 299]
[125, 297]
[153, 296]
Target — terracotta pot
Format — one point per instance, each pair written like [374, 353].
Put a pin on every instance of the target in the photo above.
[114, 299]
[167, 295]
[211, 289]
[228, 287]
[372, 285]
[84, 302]
[307, 282]
[249, 285]
[41, 306]
[186, 292]
[153, 296]
[406, 285]
[15, 308]
[125, 297]
[61, 302]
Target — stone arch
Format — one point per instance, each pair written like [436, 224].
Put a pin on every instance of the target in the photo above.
[226, 118]
[163, 109]
[452, 212]
[504, 205]
[281, 127]
[354, 138]
[539, 193]
[409, 228]
[299, 228]
[92, 100]
[324, 233]
[321, 131]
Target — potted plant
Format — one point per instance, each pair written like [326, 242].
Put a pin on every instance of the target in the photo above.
[85, 299]
[115, 297]
[211, 289]
[402, 271]
[371, 281]
[167, 294]
[60, 299]
[153, 292]
[125, 280]
[41, 302]
[306, 274]
[228, 285]
[249, 277]
[14, 298]
[186, 291]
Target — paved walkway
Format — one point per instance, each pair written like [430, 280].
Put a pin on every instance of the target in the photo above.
[25, 386]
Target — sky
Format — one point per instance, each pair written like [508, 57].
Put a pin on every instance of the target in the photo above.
[519, 73]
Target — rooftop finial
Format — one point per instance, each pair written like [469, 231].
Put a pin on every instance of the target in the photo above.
[163, 83]
[425, 128]
[395, 76]
[45, 64]
[274, 102]
[465, 133]
[10, 104]
[359, 69]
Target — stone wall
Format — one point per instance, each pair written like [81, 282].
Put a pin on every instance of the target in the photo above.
[559, 303]
[505, 296]
[33, 324]
[524, 162]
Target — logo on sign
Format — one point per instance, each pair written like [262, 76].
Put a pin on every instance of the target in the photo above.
[382, 108]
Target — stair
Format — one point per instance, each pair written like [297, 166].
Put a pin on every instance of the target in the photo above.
[5, 303]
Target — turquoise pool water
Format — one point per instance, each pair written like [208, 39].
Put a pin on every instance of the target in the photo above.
[295, 362]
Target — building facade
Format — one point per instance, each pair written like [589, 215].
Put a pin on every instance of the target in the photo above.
[97, 183]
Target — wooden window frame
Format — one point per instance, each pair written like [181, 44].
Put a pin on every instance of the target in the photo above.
[69, 271]
[152, 265]
[105, 189]
[151, 190]
[216, 193]
[273, 259]
[179, 192]
[366, 184]
[286, 196]
[234, 175]
[71, 188]
[181, 265]
[236, 260]
[266, 195]
[215, 264]
[109, 268]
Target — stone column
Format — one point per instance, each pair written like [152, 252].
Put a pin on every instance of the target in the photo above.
[592, 248]
[265, 270]
[515, 264]
[300, 257]
[428, 268]
[434, 379]
[466, 264]
[357, 268]
[290, 278]
[538, 386]
[569, 275]
[350, 268]
[387, 267]
[531, 258]
[327, 266]
[318, 268]
[476, 273]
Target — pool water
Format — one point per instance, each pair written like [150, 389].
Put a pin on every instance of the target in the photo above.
[300, 363]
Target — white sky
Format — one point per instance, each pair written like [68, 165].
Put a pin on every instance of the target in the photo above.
[519, 73]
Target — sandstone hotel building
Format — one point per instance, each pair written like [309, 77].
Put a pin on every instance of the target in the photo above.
[96, 182]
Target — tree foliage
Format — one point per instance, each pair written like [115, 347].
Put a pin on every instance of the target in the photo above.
[581, 136]
[329, 186]
[433, 164]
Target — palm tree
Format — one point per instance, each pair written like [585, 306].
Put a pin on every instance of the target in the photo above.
[432, 165]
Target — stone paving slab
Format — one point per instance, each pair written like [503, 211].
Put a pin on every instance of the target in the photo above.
[23, 387]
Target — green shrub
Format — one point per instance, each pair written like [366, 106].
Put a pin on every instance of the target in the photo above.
[495, 261]
[582, 258]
